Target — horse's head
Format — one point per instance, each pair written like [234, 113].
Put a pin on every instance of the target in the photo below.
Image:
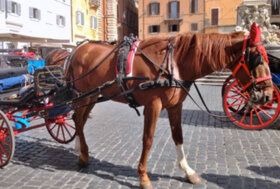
[252, 70]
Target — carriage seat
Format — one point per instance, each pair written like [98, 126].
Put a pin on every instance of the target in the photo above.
[24, 95]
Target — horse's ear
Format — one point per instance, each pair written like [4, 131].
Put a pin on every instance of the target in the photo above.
[255, 34]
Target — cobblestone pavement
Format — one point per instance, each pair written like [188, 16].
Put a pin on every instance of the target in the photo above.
[224, 155]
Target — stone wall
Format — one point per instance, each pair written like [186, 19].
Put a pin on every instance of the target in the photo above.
[111, 15]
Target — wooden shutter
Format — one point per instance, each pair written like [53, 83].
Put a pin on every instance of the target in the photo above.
[2, 5]
[30, 12]
[214, 17]
[82, 18]
[9, 6]
[18, 9]
[63, 20]
[57, 19]
[150, 9]
[77, 17]
[95, 22]
[169, 9]
[196, 6]
[39, 14]
[178, 8]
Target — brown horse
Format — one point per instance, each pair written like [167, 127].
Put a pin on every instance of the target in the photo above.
[195, 55]
[56, 57]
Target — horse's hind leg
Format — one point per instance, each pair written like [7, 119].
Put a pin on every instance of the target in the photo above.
[175, 114]
[80, 117]
[151, 113]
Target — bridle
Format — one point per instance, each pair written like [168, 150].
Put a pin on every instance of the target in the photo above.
[246, 57]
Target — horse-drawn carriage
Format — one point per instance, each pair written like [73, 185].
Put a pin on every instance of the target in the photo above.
[39, 100]
[160, 77]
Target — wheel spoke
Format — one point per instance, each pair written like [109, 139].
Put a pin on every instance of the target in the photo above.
[62, 130]
[69, 125]
[2, 124]
[239, 92]
[236, 98]
[265, 113]
[258, 115]
[67, 130]
[57, 133]
[3, 150]
[270, 107]
[238, 104]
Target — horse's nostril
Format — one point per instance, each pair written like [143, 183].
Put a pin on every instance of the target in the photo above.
[267, 98]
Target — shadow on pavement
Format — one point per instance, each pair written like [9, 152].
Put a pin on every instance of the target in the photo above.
[236, 181]
[50, 157]
[273, 172]
[201, 118]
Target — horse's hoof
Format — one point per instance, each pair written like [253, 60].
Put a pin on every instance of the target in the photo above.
[82, 163]
[146, 186]
[194, 178]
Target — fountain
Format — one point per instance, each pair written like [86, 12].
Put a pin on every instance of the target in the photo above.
[258, 11]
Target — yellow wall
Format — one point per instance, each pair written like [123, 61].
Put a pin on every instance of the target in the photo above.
[83, 32]
[227, 13]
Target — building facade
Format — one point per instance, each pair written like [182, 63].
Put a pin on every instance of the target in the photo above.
[37, 22]
[127, 18]
[169, 17]
[85, 20]
[221, 15]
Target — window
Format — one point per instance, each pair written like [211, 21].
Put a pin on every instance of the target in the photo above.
[194, 6]
[93, 22]
[14, 7]
[275, 7]
[80, 18]
[34, 13]
[154, 29]
[214, 17]
[154, 9]
[60, 20]
[173, 9]
[173, 27]
[2, 5]
[194, 27]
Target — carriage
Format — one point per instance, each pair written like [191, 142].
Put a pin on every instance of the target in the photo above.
[34, 103]
[160, 78]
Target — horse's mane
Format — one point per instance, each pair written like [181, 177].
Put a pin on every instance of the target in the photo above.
[211, 48]
[197, 48]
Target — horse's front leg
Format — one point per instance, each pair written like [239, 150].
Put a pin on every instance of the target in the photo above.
[175, 114]
[151, 113]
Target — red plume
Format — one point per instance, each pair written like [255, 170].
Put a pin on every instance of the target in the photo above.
[255, 34]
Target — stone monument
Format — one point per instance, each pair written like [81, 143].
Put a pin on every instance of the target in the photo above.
[258, 11]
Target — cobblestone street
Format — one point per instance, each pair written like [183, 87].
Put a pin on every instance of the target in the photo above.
[221, 153]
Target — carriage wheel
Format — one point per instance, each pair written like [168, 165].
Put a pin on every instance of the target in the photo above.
[61, 128]
[235, 103]
[226, 83]
[7, 140]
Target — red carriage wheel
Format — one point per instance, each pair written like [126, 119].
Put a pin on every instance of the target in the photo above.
[236, 106]
[7, 140]
[61, 128]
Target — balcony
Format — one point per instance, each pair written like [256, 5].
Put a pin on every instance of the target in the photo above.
[94, 3]
[173, 17]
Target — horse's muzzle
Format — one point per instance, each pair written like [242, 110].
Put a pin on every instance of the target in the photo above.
[261, 97]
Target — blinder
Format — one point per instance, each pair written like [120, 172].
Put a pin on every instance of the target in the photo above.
[254, 61]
